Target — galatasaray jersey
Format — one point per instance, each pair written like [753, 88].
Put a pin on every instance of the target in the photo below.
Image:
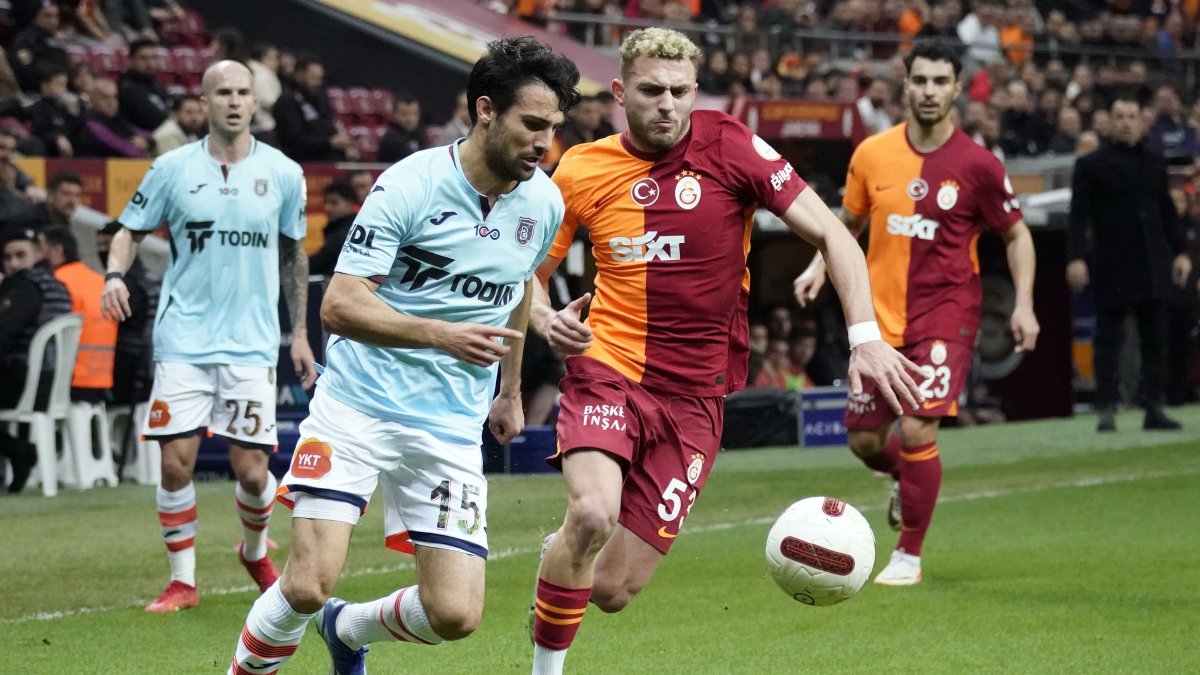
[438, 252]
[670, 234]
[926, 213]
[220, 294]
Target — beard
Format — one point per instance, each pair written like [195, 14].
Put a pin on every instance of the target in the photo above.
[500, 160]
[928, 117]
[650, 135]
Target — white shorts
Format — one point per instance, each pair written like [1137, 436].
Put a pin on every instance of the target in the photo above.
[237, 402]
[434, 492]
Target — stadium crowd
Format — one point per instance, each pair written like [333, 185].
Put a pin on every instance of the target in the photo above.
[121, 78]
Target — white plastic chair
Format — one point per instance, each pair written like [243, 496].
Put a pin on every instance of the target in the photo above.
[64, 331]
[89, 442]
[144, 465]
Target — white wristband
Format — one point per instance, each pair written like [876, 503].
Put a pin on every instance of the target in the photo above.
[863, 332]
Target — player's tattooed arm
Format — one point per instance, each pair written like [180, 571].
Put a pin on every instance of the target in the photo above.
[293, 276]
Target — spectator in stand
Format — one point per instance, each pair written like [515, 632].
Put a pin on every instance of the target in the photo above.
[362, 181]
[90, 25]
[1066, 135]
[187, 123]
[873, 106]
[37, 49]
[80, 78]
[105, 132]
[264, 66]
[63, 194]
[287, 67]
[228, 44]
[980, 31]
[1020, 133]
[714, 75]
[14, 177]
[49, 117]
[608, 106]
[1181, 313]
[133, 364]
[143, 100]
[341, 206]
[802, 346]
[130, 19]
[304, 122]
[775, 367]
[583, 125]
[1101, 124]
[93, 375]
[164, 11]
[459, 124]
[1170, 135]
[29, 297]
[1087, 143]
[405, 134]
[943, 21]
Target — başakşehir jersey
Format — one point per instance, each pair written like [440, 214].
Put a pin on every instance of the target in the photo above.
[670, 234]
[438, 252]
[927, 211]
[220, 294]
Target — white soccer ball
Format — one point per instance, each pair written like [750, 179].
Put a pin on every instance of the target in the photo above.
[820, 551]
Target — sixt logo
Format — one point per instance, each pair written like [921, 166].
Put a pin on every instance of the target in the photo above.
[645, 248]
[912, 226]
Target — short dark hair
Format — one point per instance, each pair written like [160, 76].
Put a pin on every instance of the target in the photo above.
[140, 44]
[64, 177]
[513, 62]
[342, 189]
[177, 104]
[57, 234]
[259, 49]
[1125, 96]
[934, 50]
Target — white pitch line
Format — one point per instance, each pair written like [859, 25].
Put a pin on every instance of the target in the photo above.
[1091, 481]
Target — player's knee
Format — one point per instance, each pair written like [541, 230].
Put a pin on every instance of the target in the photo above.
[305, 593]
[454, 623]
[589, 525]
[864, 444]
[610, 597]
[175, 474]
[253, 484]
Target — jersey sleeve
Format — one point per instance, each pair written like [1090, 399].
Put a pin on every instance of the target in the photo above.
[293, 221]
[553, 227]
[998, 204]
[563, 178]
[146, 210]
[759, 172]
[855, 200]
[381, 227]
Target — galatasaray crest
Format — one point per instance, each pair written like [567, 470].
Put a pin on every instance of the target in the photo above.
[694, 469]
[260, 187]
[524, 233]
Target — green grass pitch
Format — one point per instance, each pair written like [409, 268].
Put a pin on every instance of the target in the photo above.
[1053, 550]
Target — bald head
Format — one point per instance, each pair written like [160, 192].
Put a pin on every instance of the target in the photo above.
[229, 95]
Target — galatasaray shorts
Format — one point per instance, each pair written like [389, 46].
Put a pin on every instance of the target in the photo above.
[944, 367]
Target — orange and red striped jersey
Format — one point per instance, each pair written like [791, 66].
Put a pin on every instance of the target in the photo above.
[927, 211]
[670, 233]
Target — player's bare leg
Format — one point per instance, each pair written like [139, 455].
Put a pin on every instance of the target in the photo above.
[255, 494]
[623, 568]
[279, 617]
[568, 570]
[176, 501]
[920, 481]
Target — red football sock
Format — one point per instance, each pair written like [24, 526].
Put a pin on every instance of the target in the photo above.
[558, 613]
[886, 460]
[920, 479]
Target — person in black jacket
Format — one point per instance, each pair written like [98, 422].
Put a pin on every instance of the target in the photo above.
[36, 48]
[304, 121]
[49, 118]
[341, 206]
[1120, 197]
[143, 99]
[405, 133]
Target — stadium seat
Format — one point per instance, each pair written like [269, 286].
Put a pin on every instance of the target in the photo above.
[337, 101]
[188, 30]
[76, 53]
[358, 100]
[43, 424]
[381, 104]
[187, 66]
[141, 459]
[106, 61]
[89, 445]
[365, 140]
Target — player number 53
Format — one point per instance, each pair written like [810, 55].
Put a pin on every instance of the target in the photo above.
[672, 501]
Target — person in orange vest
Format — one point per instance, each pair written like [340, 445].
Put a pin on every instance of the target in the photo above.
[93, 376]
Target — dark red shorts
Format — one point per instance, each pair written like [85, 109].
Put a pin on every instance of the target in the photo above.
[945, 365]
[666, 444]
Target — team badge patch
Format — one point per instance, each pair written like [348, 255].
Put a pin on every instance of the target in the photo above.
[937, 353]
[644, 192]
[260, 187]
[694, 469]
[312, 459]
[764, 149]
[947, 195]
[524, 233]
[687, 190]
[917, 189]
[160, 414]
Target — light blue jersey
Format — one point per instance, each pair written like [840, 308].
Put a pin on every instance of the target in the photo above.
[426, 236]
[220, 295]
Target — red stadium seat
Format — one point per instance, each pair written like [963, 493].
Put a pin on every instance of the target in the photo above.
[166, 65]
[106, 61]
[188, 66]
[77, 53]
[359, 100]
[188, 31]
[337, 101]
[381, 103]
[365, 140]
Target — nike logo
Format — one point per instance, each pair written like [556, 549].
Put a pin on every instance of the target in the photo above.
[263, 666]
[198, 188]
[881, 188]
[442, 218]
[377, 188]
[662, 532]
[931, 404]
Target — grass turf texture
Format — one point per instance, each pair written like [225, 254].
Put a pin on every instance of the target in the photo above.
[1053, 550]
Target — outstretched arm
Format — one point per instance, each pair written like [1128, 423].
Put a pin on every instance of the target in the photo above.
[812, 279]
[870, 357]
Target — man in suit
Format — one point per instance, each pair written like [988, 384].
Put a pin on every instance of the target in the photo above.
[1125, 239]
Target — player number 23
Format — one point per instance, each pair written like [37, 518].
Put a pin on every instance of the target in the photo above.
[940, 376]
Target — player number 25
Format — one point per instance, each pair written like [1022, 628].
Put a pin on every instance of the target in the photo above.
[250, 412]
[672, 501]
[942, 375]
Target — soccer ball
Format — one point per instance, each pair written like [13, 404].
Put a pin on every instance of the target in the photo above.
[820, 551]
